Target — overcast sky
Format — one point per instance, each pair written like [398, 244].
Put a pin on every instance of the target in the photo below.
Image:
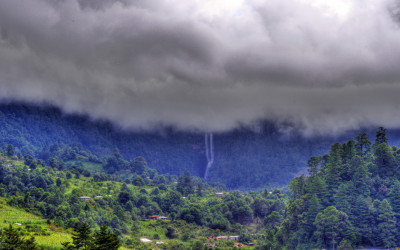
[322, 66]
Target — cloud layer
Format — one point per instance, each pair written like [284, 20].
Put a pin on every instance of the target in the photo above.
[206, 65]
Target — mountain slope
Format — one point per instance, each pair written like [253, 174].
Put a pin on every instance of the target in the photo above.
[243, 158]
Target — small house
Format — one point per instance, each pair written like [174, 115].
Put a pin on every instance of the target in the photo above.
[85, 198]
[219, 193]
[222, 237]
[153, 217]
[18, 224]
[145, 240]
[234, 237]
[162, 218]
[98, 197]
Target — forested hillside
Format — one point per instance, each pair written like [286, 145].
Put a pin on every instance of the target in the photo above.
[72, 198]
[350, 198]
[34, 130]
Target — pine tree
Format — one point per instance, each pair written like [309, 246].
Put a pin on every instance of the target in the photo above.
[363, 144]
[105, 240]
[381, 136]
[360, 177]
[394, 198]
[386, 225]
[82, 238]
[333, 168]
[343, 198]
[363, 220]
[385, 161]
[313, 207]
[185, 184]
[313, 164]
[10, 239]
[331, 225]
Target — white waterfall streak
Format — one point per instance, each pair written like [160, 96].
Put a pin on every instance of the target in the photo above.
[209, 152]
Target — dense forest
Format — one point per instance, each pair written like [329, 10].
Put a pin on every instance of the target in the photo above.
[275, 157]
[122, 195]
[349, 198]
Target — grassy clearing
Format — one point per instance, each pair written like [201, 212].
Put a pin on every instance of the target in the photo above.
[11, 215]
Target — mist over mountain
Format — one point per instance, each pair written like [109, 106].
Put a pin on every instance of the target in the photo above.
[244, 158]
[272, 80]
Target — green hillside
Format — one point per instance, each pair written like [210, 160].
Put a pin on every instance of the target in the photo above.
[196, 212]
[47, 236]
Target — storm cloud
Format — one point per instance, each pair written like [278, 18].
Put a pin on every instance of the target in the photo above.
[206, 65]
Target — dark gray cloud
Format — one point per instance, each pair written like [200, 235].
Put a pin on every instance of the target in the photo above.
[323, 66]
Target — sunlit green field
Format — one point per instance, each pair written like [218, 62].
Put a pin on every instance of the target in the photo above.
[11, 215]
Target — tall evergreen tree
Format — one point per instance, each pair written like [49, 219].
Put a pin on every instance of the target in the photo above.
[333, 167]
[386, 165]
[363, 144]
[343, 198]
[363, 220]
[381, 136]
[386, 225]
[394, 198]
[185, 184]
[313, 164]
[332, 225]
[105, 240]
[82, 238]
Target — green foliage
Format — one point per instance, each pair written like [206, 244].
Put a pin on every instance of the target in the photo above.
[10, 151]
[386, 225]
[240, 153]
[350, 199]
[82, 238]
[11, 239]
[106, 240]
[331, 225]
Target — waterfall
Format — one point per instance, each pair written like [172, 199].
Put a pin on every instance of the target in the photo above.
[209, 152]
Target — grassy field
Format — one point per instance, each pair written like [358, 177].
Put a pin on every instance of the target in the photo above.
[47, 236]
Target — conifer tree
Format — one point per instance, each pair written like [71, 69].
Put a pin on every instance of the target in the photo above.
[313, 164]
[10, 239]
[105, 240]
[331, 225]
[82, 238]
[363, 220]
[313, 207]
[394, 198]
[333, 167]
[360, 177]
[385, 162]
[381, 136]
[343, 198]
[363, 144]
[386, 225]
